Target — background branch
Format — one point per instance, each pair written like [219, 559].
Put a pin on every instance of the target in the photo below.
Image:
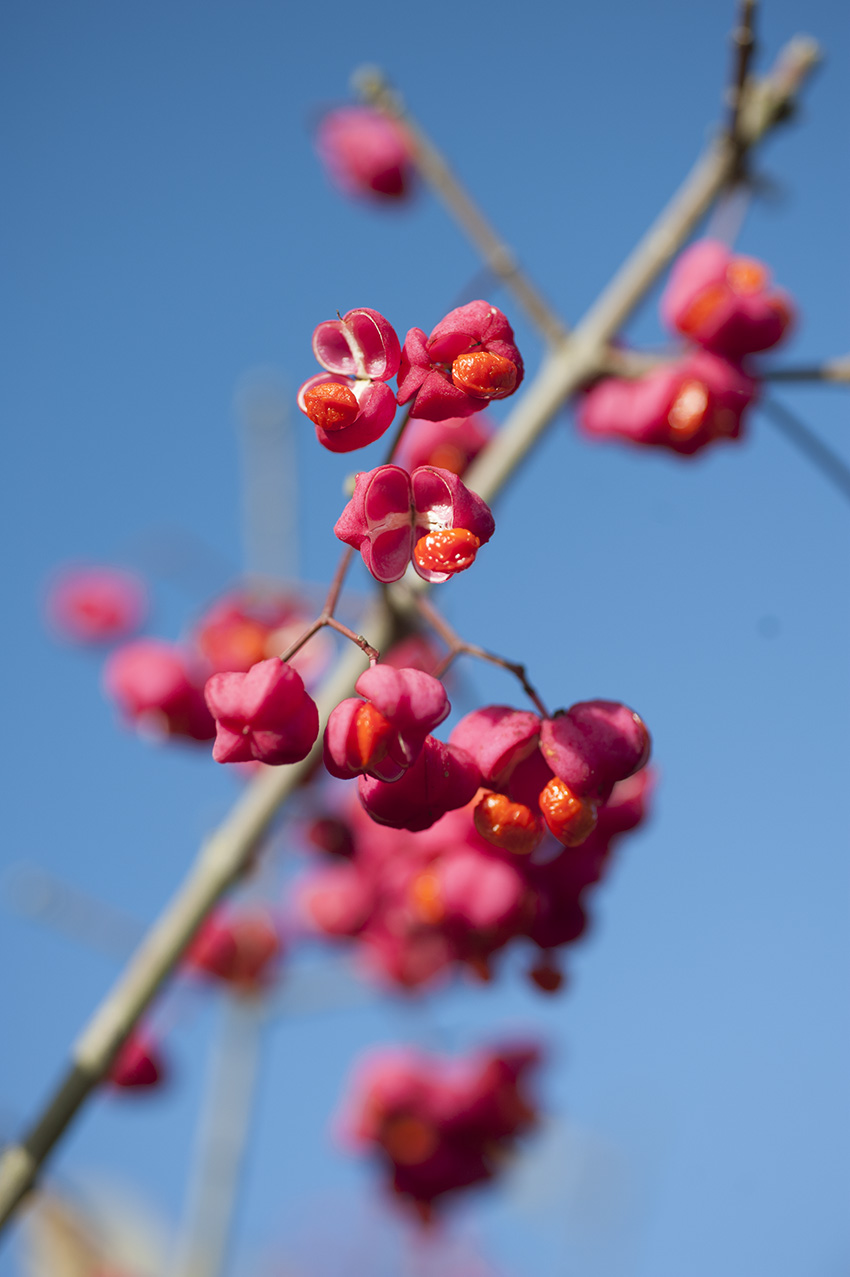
[373, 87]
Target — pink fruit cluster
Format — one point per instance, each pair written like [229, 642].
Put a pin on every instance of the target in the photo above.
[224, 683]
[550, 773]
[440, 1124]
[726, 306]
[406, 778]
[419, 904]
[469, 359]
[96, 605]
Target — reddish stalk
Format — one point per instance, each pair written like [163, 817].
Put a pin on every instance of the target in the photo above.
[326, 617]
[459, 647]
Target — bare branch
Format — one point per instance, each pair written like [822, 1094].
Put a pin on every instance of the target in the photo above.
[229, 851]
[372, 86]
[634, 363]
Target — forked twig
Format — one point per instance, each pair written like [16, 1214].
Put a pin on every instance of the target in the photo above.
[459, 647]
[326, 617]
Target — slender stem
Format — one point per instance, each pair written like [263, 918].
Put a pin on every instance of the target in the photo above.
[372, 652]
[743, 40]
[326, 616]
[828, 462]
[459, 647]
[335, 588]
[397, 436]
[225, 855]
[303, 639]
[373, 88]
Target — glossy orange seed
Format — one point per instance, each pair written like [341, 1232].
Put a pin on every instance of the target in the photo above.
[331, 406]
[452, 550]
[484, 375]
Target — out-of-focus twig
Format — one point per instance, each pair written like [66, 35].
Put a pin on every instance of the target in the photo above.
[837, 370]
[224, 1130]
[227, 853]
[833, 467]
[35, 893]
[373, 87]
[634, 363]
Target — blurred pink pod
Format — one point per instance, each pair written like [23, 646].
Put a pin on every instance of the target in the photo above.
[96, 605]
[157, 687]
[481, 893]
[428, 517]
[469, 359]
[452, 444]
[246, 626]
[137, 1065]
[265, 714]
[239, 947]
[441, 779]
[350, 404]
[383, 734]
[725, 302]
[416, 651]
[365, 152]
[682, 406]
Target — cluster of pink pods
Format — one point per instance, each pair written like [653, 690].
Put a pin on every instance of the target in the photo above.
[469, 359]
[725, 305]
[418, 904]
[437, 1123]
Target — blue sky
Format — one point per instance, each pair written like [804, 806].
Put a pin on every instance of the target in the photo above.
[168, 230]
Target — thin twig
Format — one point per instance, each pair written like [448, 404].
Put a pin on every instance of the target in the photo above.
[837, 370]
[820, 454]
[373, 87]
[397, 436]
[459, 647]
[326, 617]
[365, 647]
[743, 39]
[225, 855]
